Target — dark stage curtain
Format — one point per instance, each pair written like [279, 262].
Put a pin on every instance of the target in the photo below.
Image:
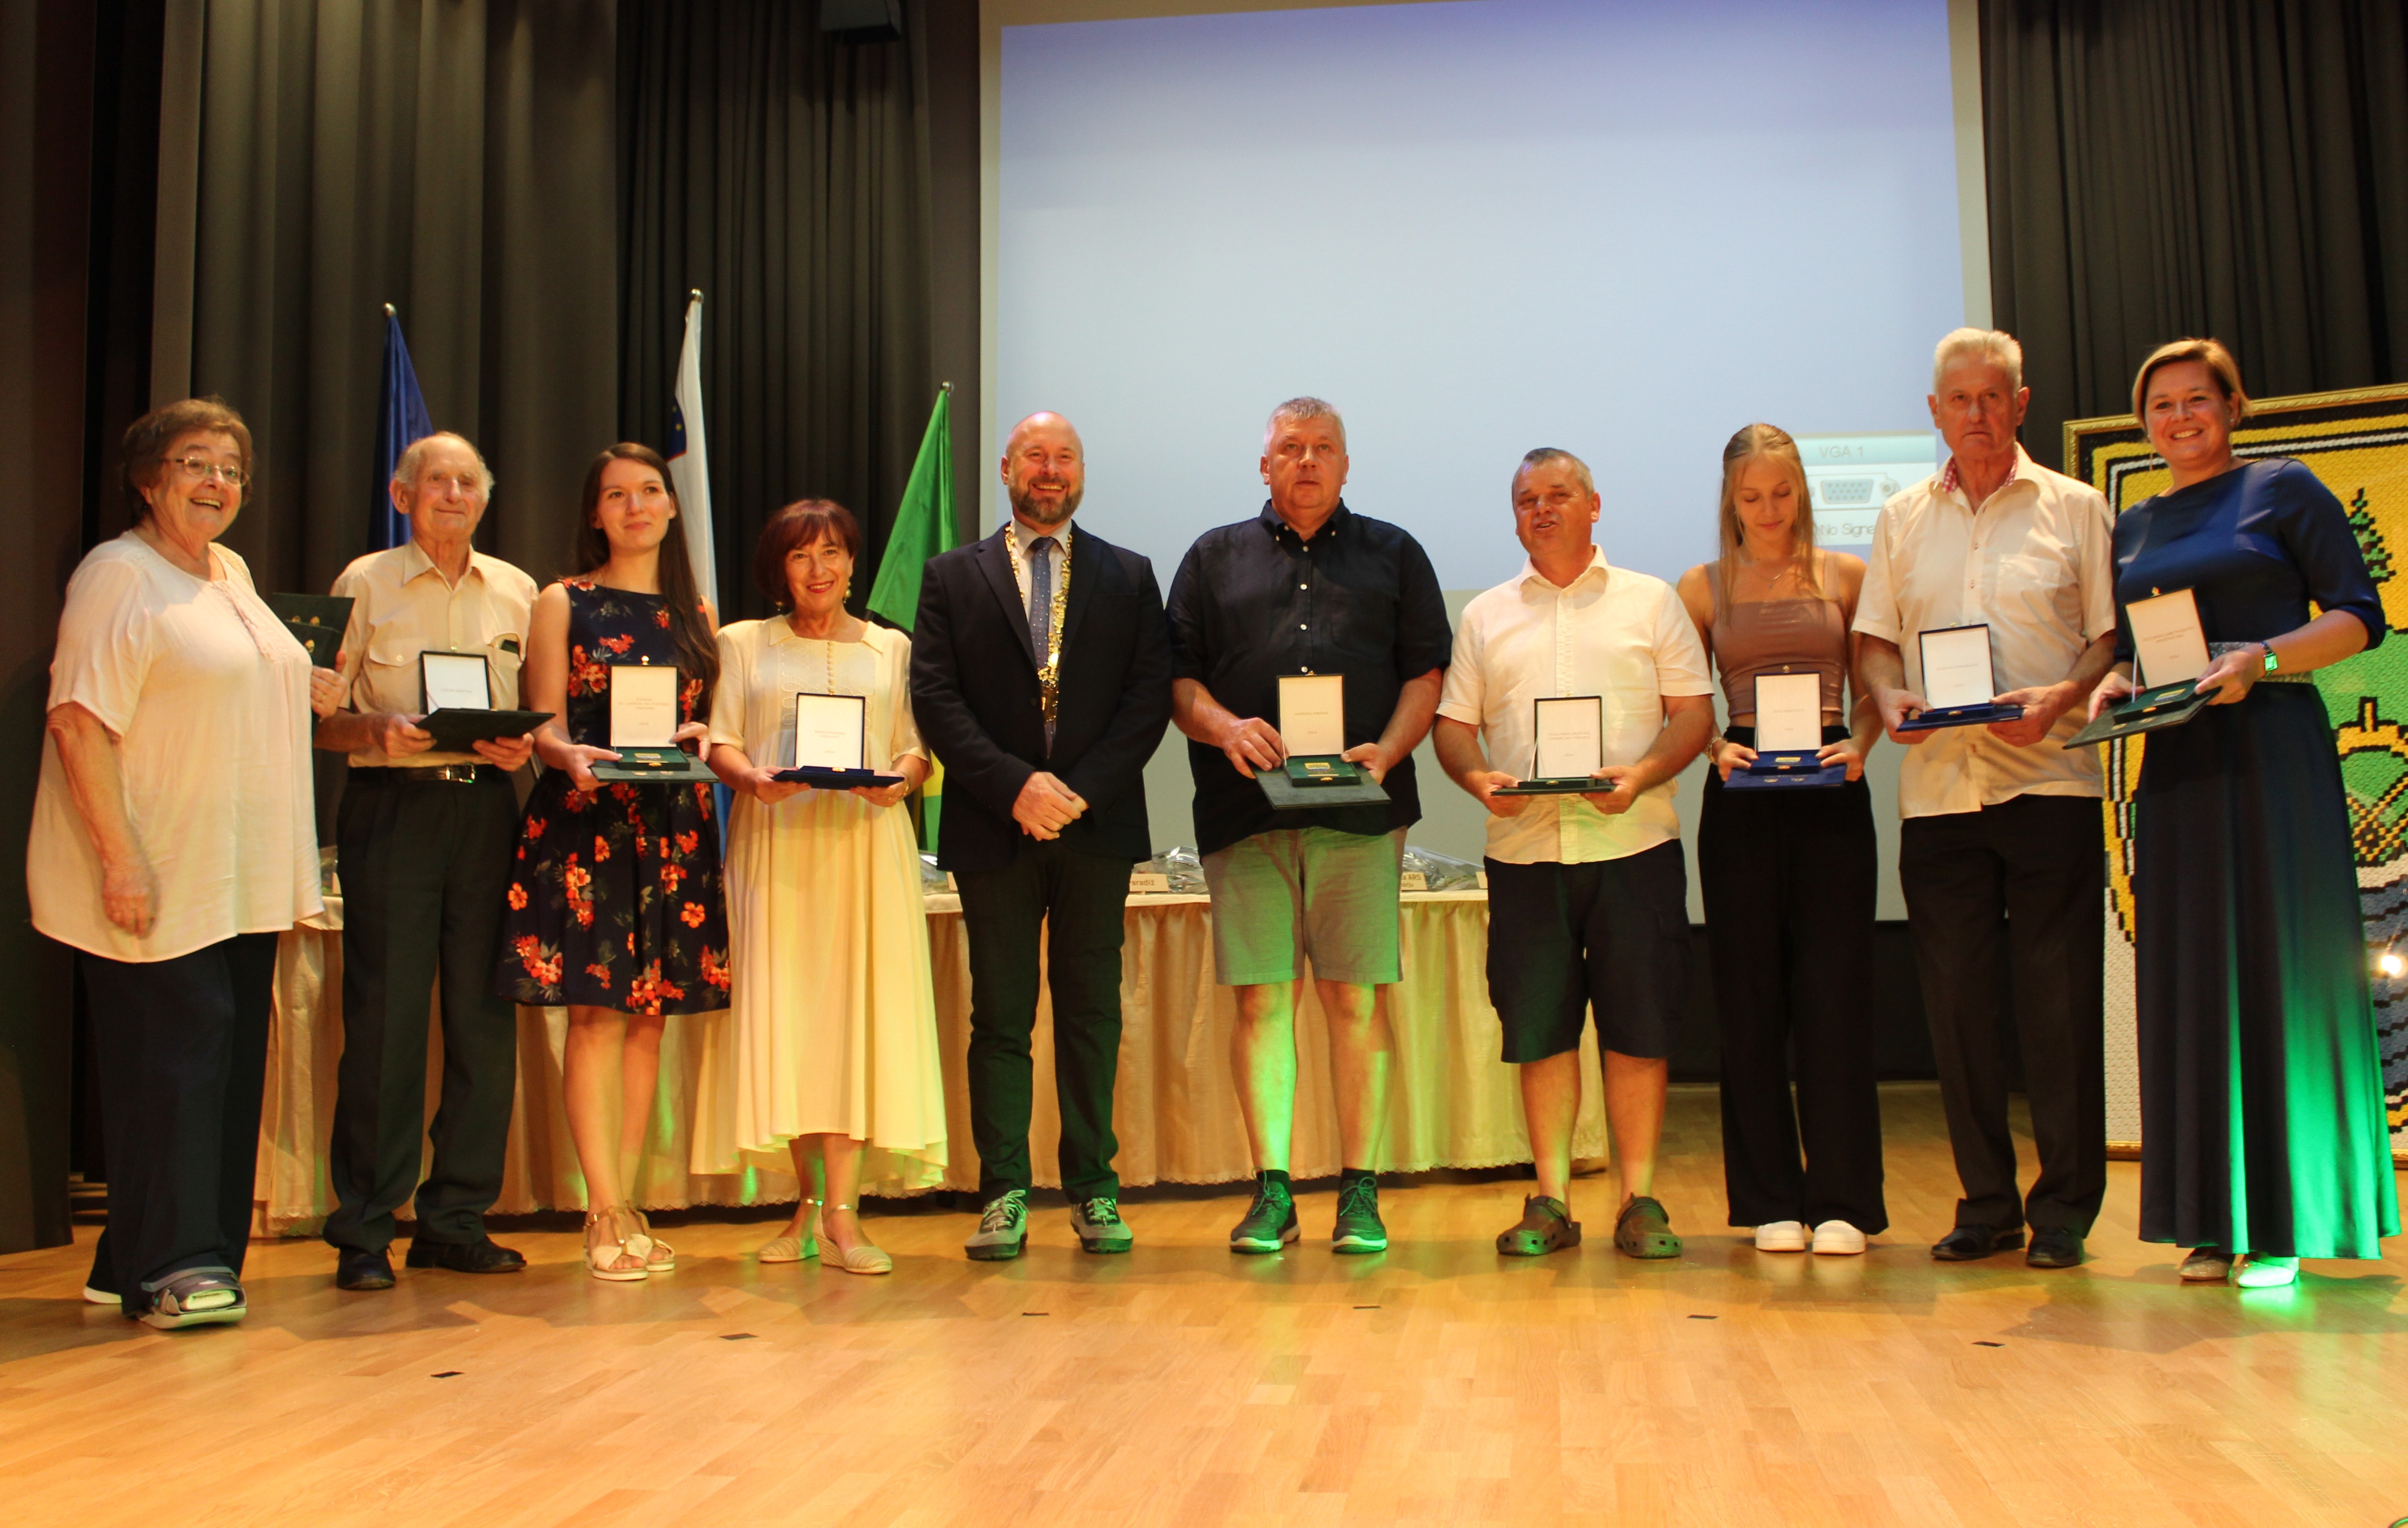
[788, 176]
[450, 156]
[2160, 168]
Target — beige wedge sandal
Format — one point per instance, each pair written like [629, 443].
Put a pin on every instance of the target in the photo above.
[802, 1249]
[864, 1259]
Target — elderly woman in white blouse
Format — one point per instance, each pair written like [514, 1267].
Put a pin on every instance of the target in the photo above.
[174, 837]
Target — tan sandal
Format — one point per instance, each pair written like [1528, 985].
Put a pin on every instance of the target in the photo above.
[790, 1248]
[602, 1259]
[659, 1256]
[864, 1259]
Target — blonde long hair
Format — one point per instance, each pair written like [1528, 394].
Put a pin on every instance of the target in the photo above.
[1754, 440]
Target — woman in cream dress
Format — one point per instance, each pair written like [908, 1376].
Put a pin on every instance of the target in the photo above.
[831, 1052]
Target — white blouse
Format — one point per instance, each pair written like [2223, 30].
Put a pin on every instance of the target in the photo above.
[207, 696]
[763, 666]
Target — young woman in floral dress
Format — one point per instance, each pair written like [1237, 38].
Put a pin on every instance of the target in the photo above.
[615, 911]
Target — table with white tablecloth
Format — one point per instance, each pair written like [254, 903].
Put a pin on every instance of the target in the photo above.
[1453, 1104]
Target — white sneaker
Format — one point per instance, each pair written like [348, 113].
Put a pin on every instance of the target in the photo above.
[1781, 1236]
[1837, 1238]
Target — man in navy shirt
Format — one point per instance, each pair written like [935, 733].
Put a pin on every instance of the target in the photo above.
[1305, 587]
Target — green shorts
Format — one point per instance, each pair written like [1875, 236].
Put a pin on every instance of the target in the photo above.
[1296, 894]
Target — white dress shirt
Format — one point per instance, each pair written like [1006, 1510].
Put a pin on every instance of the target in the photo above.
[1024, 539]
[1622, 636]
[2034, 565]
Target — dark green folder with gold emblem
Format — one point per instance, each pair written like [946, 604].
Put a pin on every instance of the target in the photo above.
[317, 622]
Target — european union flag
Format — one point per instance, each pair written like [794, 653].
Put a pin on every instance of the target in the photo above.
[401, 418]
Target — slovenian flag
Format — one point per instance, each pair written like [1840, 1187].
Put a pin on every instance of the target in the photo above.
[924, 527]
[401, 418]
[690, 459]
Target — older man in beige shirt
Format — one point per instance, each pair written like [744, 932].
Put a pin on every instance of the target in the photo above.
[2000, 855]
[424, 840]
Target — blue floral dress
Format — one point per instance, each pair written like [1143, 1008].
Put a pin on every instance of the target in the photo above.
[615, 900]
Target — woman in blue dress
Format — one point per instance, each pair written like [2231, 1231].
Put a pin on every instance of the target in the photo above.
[2262, 1128]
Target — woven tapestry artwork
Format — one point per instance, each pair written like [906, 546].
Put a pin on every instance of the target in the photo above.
[2358, 443]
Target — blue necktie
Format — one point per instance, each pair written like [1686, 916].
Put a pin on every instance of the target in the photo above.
[1041, 607]
[1040, 593]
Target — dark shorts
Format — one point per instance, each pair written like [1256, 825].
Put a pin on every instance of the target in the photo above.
[1613, 935]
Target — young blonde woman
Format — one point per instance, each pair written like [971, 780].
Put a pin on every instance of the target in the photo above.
[614, 907]
[831, 1056]
[1788, 875]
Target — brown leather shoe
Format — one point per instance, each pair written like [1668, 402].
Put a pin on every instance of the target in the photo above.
[1546, 1226]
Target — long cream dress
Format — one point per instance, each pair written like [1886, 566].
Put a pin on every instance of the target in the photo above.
[833, 1020]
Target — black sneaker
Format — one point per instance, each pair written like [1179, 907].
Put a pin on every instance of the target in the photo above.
[1358, 1227]
[1270, 1219]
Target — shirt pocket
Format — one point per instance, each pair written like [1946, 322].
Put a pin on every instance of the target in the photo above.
[505, 651]
[2040, 586]
[389, 678]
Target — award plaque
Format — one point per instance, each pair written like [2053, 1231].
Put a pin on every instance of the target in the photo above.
[1958, 684]
[1568, 748]
[317, 622]
[1788, 737]
[832, 744]
[456, 692]
[643, 720]
[2170, 652]
[1312, 731]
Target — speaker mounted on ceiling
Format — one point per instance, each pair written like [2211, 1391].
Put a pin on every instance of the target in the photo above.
[862, 20]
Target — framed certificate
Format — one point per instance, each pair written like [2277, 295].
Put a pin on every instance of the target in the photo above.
[643, 725]
[2170, 652]
[1568, 747]
[2167, 640]
[1958, 683]
[455, 682]
[458, 692]
[1313, 729]
[831, 744]
[1789, 714]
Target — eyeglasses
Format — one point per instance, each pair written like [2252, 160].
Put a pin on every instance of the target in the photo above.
[201, 471]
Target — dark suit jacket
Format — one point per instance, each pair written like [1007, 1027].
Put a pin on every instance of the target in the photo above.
[975, 696]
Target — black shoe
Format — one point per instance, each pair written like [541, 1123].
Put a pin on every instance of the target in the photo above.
[357, 1269]
[1970, 1244]
[2053, 1249]
[1270, 1219]
[482, 1256]
[1359, 1228]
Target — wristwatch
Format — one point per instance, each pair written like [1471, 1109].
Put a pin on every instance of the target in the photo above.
[2272, 661]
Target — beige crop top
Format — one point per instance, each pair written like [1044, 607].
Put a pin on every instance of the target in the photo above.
[1754, 636]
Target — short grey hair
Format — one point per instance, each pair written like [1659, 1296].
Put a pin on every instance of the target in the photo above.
[1296, 412]
[413, 461]
[1996, 346]
[1548, 456]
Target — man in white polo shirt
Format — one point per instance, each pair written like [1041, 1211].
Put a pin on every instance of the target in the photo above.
[1587, 894]
[2001, 853]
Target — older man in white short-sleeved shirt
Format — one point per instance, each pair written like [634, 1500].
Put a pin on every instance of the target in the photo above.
[2001, 853]
[1588, 895]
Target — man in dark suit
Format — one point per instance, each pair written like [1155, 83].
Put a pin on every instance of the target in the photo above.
[1041, 673]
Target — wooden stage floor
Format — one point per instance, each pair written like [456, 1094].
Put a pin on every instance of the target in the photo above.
[1436, 1383]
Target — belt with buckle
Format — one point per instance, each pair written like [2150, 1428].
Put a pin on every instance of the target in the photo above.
[426, 774]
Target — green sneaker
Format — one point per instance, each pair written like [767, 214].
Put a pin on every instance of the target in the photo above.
[1270, 1219]
[1099, 1227]
[1002, 1230]
[1358, 1227]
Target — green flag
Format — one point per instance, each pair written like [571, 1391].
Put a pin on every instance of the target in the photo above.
[924, 527]
[924, 523]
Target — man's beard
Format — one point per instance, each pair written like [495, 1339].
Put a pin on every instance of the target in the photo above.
[1025, 504]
